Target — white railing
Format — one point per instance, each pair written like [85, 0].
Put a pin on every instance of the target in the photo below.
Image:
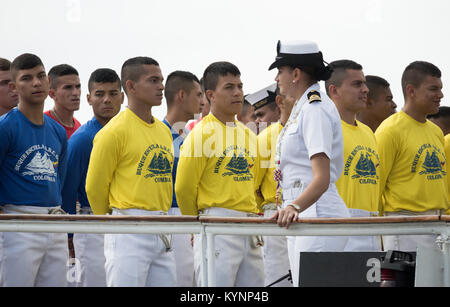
[209, 227]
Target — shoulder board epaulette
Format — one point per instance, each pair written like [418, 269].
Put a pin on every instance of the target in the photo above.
[314, 96]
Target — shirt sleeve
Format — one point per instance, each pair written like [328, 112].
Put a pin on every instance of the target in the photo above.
[78, 159]
[317, 130]
[189, 173]
[387, 148]
[102, 164]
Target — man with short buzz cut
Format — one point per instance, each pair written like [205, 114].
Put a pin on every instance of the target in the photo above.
[216, 176]
[65, 90]
[379, 105]
[359, 182]
[8, 99]
[32, 169]
[413, 170]
[183, 96]
[105, 97]
[130, 173]
[441, 119]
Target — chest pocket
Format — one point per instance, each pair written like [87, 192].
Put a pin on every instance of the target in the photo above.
[293, 128]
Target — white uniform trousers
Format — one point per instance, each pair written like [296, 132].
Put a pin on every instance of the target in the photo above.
[138, 260]
[410, 243]
[362, 243]
[276, 259]
[184, 256]
[329, 205]
[90, 251]
[29, 259]
[238, 262]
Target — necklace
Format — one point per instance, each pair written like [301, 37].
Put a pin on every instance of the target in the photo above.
[60, 120]
[292, 119]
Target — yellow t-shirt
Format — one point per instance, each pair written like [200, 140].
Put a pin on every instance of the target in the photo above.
[217, 168]
[131, 166]
[267, 142]
[413, 170]
[359, 184]
[447, 154]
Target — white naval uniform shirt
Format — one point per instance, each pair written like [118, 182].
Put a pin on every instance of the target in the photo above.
[316, 129]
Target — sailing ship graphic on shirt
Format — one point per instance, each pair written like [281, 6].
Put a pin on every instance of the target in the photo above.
[432, 164]
[238, 165]
[159, 165]
[365, 167]
[40, 165]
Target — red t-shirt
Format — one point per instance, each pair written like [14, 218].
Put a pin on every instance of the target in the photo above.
[69, 130]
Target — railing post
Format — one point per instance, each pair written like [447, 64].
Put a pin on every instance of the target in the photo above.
[204, 263]
[211, 259]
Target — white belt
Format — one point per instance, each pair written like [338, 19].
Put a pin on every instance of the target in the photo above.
[270, 206]
[134, 211]
[22, 209]
[293, 192]
[217, 211]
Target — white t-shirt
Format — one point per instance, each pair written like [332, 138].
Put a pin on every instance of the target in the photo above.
[317, 129]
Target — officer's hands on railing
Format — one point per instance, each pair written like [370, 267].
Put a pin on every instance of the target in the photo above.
[286, 216]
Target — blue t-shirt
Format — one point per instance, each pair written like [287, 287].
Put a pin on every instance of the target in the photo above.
[177, 142]
[78, 155]
[32, 161]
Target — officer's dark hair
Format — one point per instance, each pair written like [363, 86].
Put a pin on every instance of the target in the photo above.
[339, 73]
[103, 75]
[132, 69]
[214, 70]
[5, 64]
[416, 72]
[176, 81]
[443, 112]
[59, 71]
[375, 85]
[24, 61]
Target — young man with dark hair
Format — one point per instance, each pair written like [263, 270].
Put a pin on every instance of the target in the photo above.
[65, 90]
[205, 107]
[105, 97]
[360, 180]
[130, 173]
[379, 105]
[32, 170]
[8, 99]
[276, 260]
[216, 176]
[183, 95]
[441, 119]
[413, 171]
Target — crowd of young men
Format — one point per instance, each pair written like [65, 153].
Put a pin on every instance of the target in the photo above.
[221, 164]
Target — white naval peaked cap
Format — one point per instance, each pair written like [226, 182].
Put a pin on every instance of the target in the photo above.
[263, 96]
[301, 53]
[298, 47]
